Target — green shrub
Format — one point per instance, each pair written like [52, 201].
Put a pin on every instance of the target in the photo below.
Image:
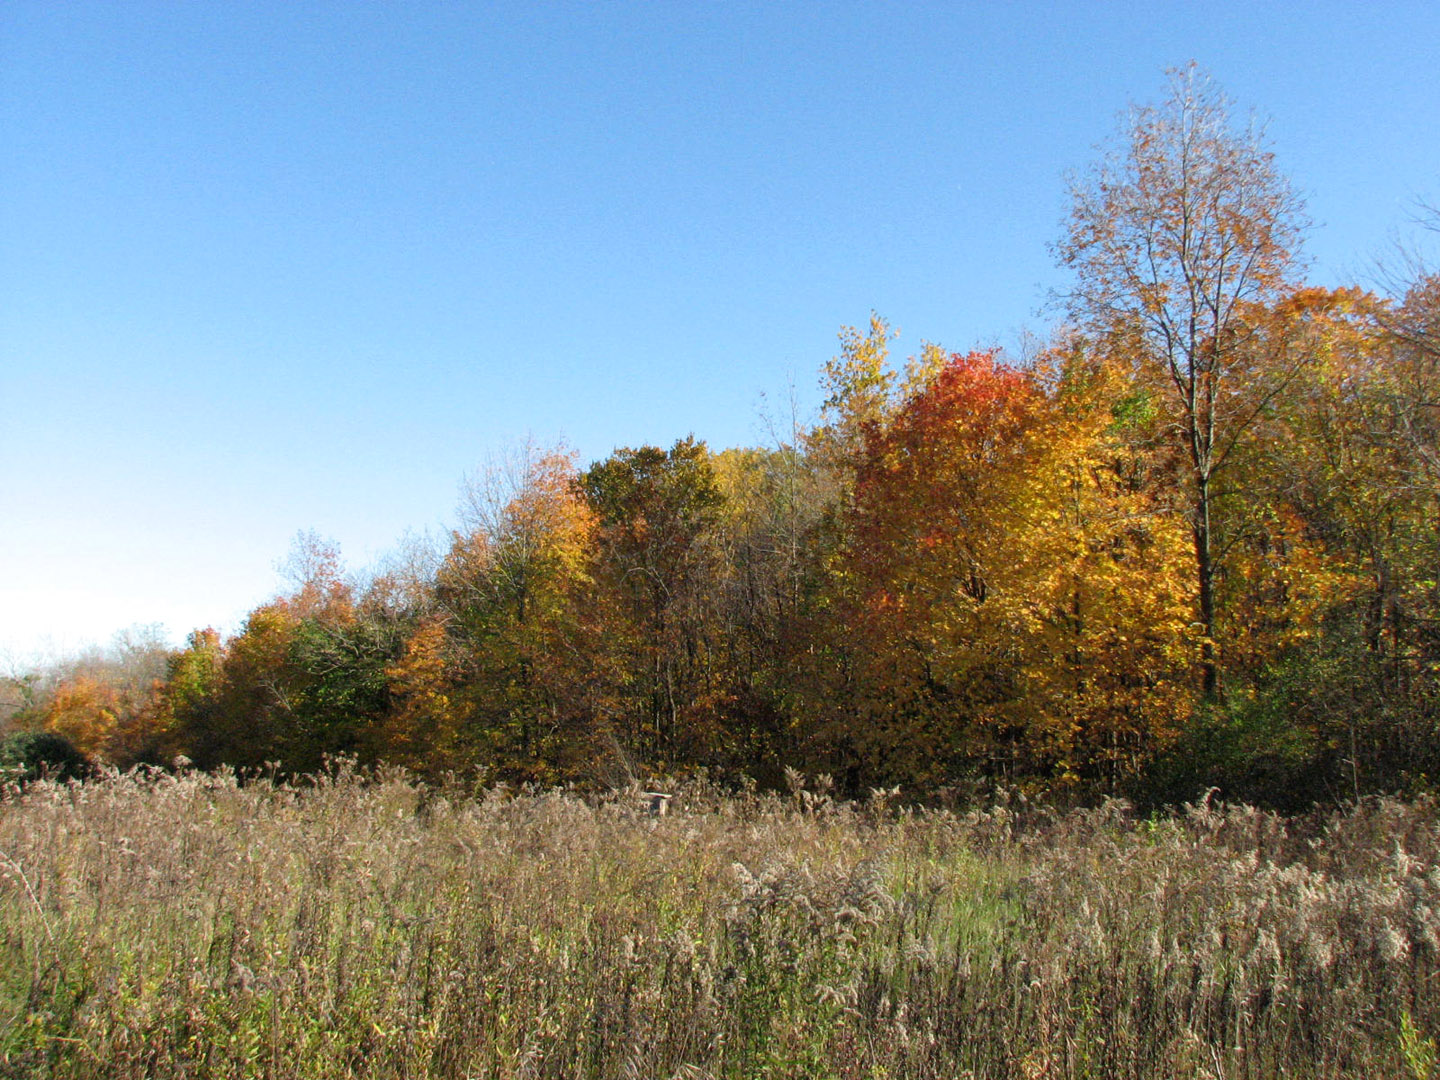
[33, 755]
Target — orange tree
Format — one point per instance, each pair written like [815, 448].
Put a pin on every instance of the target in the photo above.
[1007, 602]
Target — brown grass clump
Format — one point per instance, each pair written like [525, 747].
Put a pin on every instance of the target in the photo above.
[154, 925]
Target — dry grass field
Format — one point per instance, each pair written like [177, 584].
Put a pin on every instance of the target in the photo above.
[189, 926]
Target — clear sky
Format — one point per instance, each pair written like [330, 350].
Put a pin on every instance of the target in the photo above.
[267, 267]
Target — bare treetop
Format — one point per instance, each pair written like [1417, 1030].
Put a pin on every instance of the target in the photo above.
[1184, 220]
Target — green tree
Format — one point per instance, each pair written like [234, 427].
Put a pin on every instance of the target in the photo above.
[657, 512]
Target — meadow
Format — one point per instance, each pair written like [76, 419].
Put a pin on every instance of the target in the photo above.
[188, 925]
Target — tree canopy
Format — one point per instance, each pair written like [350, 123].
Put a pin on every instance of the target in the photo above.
[1190, 542]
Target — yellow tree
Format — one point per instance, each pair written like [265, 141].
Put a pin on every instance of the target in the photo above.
[1338, 595]
[859, 390]
[1293, 519]
[1175, 237]
[1102, 581]
[1010, 599]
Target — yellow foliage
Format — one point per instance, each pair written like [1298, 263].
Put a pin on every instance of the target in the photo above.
[1017, 599]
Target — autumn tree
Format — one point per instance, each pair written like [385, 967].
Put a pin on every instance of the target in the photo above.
[749, 600]
[527, 686]
[860, 388]
[240, 715]
[85, 711]
[304, 679]
[108, 701]
[315, 573]
[333, 687]
[1327, 596]
[1413, 326]
[1302, 477]
[1175, 237]
[656, 512]
[422, 728]
[1006, 602]
[17, 697]
[192, 693]
[521, 514]
[1357, 454]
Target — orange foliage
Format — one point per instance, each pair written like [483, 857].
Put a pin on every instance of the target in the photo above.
[1015, 601]
[421, 731]
[86, 711]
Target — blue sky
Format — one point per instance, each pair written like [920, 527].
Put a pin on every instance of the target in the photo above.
[267, 267]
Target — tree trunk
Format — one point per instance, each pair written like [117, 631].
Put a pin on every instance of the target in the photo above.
[1205, 572]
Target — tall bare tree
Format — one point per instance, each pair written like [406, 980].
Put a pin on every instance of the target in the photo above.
[1178, 238]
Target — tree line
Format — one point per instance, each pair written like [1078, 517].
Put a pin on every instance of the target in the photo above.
[1192, 541]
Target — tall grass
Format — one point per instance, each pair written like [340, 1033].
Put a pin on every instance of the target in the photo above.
[186, 926]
